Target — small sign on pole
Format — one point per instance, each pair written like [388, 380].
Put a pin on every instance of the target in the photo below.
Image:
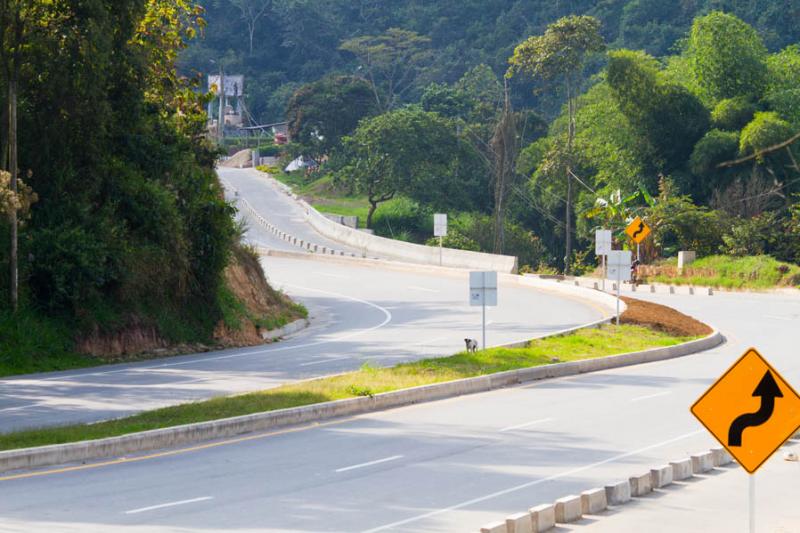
[483, 292]
[602, 247]
[440, 230]
[619, 270]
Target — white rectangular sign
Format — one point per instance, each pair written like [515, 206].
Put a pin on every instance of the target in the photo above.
[483, 288]
[619, 265]
[602, 243]
[440, 225]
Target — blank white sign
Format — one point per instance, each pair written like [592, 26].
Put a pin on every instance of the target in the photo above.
[483, 288]
[440, 225]
[602, 242]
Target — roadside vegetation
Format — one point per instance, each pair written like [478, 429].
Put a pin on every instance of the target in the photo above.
[755, 272]
[367, 381]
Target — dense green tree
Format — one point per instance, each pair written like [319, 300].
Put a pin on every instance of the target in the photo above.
[727, 56]
[323, 112]
[560, 54]
[410, 152]
[732, 114]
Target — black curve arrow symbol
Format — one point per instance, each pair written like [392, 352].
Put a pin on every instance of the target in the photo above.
[768, 389]
[638, 231]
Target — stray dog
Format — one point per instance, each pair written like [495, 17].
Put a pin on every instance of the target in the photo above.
[472, 345]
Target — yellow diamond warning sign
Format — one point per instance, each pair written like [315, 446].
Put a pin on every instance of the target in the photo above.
[751, 410]
[638, 230]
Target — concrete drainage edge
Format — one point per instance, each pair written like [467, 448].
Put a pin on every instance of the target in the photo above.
[288, 329]
[29, 458]
[593, 501]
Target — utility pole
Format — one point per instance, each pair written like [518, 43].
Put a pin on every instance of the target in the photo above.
[221, 92]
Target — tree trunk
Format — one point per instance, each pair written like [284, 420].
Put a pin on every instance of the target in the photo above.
[13, 168]
[568, 209]
[373, 205]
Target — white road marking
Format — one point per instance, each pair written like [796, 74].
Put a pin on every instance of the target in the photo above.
[329, 275]
[386, 320]
[423, 289]
[362, 465]
[522, 486]
[647, 397]
[17, 408]
[526, 424]
[170, 504]
[776, 317]
[322, 362]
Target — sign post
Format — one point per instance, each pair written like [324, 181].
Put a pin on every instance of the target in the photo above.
[440, 230]
[483, 292]
[602, 247]
[619, 270]
[751, 410]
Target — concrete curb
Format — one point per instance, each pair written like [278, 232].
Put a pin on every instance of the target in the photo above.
[288, 329]
[29, 458]
[595, 501]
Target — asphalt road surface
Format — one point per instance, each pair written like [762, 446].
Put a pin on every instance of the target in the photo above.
[444, 466]
[359, 314]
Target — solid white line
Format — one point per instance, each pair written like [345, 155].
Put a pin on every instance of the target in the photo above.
[362, 465]
[386, 320]
[312, 363]
[567, 473]
[776, 317]
[526, 424]
[326, 274]
[656, 395]
[170, 504]
[423, 289]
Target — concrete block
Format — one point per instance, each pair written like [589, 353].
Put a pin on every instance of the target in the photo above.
[686, 258]
[519, 523]
[681, 469]
[672, 289]
[543, 517]
[691, 291]
[702, 462]
[593, 501]
[633, 287]
[324, 250]
[494, 527]
[641, 485]
[618, 493]
[568, 509]
[661, 476]
[721, 457]
[710, 291]
[596, 286]
[652, 288]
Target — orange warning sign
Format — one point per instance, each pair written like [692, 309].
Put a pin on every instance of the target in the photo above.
[751, 410]
[638, 230]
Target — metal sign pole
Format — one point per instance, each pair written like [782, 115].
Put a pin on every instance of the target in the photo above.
[638, 255]
[483, 312]
[619, 284]
[440, 250]
[605, 273]
[752, 503]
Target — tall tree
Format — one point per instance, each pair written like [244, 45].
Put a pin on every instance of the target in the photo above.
[252, 11]
[391, 62]
[727, 56]
[560, 54]
[504, 148]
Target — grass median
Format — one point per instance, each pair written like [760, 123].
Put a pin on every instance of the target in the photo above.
[367, 381]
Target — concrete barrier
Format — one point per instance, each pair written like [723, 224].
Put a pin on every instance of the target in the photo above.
[519, 523]
[494, 527]
[682, 469]
[288, 329]
[543, 517]
[568, 509]
[593, 501]
[661, 476]
[641, 485]
[702, 462]
[720, 457]
[618, 493]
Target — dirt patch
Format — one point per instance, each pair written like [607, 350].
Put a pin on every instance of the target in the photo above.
[662, 318]
[241, 159]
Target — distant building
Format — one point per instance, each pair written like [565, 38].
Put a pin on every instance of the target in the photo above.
[233, 105]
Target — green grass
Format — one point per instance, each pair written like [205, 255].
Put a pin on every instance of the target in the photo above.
[31, 343]
[754, 272]
[584, 344]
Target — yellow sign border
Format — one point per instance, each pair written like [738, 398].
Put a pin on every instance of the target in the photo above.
[730, 369]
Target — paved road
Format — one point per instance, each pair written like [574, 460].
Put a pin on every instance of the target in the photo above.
[359, 314]
[445, 466]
